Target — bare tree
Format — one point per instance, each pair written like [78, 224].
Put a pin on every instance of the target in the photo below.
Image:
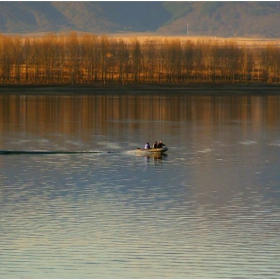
[136, 59]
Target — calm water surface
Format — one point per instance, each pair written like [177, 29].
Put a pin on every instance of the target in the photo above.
[209, 209]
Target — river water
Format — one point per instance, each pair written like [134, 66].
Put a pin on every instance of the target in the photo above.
[210, 208]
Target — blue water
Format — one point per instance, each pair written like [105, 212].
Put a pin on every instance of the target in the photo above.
[210, 208]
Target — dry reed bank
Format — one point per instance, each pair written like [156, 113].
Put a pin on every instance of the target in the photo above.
[85, 59]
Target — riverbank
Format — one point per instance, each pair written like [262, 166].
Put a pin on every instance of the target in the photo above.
[142, 89]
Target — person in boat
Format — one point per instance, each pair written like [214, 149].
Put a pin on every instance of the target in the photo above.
[147, 146]
[155, 145]
[160, 144]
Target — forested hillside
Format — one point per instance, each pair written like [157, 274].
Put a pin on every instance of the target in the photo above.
[221, 18]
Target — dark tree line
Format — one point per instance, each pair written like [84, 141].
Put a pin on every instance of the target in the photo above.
[87, 59]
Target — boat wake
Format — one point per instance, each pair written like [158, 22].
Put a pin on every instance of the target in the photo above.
[44, 152]
[137, 152]
[132, 153]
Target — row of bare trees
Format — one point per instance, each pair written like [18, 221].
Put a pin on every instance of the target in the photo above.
[86, 59]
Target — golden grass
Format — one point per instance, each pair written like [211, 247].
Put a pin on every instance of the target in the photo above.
[153, 37]
[150, 36]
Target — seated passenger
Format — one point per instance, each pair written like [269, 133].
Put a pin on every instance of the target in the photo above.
[147, 146]
[155, 145]
[160, 144]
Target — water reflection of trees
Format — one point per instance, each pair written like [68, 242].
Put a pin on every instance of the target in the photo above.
[71, 114]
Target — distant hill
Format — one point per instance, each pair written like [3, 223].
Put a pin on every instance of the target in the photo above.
[223, 19]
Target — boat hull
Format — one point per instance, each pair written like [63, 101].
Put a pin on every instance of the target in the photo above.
[153, 151]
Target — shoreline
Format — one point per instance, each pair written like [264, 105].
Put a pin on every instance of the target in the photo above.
[256, 88]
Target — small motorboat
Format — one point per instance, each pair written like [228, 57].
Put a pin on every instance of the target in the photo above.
[152, 151]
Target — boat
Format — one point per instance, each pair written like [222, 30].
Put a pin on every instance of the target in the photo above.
[152, 151]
